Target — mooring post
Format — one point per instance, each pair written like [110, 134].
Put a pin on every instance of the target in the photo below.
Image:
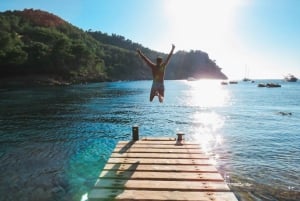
[135, 133]
[179, 138]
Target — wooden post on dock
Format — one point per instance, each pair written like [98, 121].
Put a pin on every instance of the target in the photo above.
[180, 137]
[135, 133]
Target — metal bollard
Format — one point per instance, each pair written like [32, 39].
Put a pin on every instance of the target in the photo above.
[135, 133]
[180, 137]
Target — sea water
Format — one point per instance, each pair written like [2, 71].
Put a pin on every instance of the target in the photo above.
[54, 141]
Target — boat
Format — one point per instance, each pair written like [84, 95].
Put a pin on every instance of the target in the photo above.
[233, 82]
[246, 79]
[272, 85]
[261, 85]
[269, 85]
[290, 78]
[191, 79]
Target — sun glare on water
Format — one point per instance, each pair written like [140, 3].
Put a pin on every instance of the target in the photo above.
[207, 126]
[206, 96]
[206, 93]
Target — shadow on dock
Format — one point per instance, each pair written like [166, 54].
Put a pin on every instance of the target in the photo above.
[126, 147]
[112, 182]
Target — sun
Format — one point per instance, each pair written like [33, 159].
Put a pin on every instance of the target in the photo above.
[199, 22]
[210, 26]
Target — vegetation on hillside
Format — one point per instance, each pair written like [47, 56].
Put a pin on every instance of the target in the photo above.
[35, 42]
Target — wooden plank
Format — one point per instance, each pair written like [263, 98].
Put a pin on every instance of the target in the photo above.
[165, 142]
[160, 161]
[155, 150]
[158, 155]
[178, 176]
[142, 195]
[161, 146]
[159, 139]
[161, 168]
[162, 185]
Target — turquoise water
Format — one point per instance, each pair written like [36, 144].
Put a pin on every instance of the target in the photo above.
[55, 140]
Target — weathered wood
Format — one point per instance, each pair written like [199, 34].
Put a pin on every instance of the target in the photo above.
[146, 195]
[162, 185]
[173, 161]
[160, 146]
[159, 155]
[151, 140]
[155, 150]
[159, 139]
[178, 176]
[160, 169]
[135, 133]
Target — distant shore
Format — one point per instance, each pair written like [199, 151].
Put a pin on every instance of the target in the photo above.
[32, 80]
[42, 80]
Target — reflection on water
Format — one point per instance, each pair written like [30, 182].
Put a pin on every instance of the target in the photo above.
[207, 124]
[55, 140]
[206, 93]
[207, 133]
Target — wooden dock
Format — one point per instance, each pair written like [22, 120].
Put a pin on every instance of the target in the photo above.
[160, 169]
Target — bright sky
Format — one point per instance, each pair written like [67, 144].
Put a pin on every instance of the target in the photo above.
[262, 36]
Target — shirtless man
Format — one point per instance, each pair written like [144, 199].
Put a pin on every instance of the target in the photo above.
[158, 73]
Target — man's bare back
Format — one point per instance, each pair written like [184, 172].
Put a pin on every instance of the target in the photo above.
[158, 74]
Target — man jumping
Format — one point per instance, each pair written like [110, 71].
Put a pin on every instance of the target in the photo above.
[158, 73]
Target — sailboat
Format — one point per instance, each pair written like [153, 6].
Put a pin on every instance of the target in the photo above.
[246, 78]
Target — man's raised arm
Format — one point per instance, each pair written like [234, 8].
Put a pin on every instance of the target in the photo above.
[150, 63]
[170, 54]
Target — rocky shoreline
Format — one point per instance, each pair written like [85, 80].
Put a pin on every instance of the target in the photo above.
[32, 80]
[43, 80]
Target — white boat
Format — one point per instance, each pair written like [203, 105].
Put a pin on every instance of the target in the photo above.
[290, 78]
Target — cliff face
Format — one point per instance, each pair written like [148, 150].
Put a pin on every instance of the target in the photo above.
[37, 43]
[195, 64]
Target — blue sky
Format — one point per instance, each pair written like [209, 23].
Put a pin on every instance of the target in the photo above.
[259, 35]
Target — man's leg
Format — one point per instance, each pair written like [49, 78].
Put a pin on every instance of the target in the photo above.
[160, 98]
[161, 93]
[152, 94]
